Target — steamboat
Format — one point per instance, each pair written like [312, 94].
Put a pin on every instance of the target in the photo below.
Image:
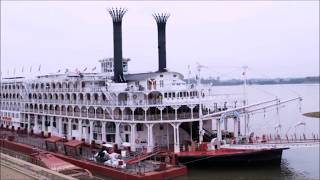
[148, 114]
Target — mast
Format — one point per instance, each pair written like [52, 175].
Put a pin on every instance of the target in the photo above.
[189, 75]
[278, 118]
[200, 103]
[245, 100]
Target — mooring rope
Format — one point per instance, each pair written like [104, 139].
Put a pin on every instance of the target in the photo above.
[197, 160]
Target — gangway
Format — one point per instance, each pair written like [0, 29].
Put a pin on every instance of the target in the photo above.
[143, 156]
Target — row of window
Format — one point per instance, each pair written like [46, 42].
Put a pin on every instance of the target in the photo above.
[181, 94]
[67, 96]
[12, 86]
[10, 114]
[11, 108]
[48, 85]
[10, 96]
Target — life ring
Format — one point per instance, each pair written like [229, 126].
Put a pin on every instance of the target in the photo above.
[134, 96]
[137, 141]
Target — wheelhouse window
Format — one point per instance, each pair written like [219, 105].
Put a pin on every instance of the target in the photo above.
[161, 83]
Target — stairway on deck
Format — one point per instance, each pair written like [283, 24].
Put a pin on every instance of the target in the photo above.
[143, 156]
[207, 136]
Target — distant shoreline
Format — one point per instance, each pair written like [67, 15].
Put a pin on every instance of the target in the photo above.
[259, 81]
[312, 114]
[222, 84]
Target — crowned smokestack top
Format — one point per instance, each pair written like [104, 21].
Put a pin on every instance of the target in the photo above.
[117, 15]
[161, 20]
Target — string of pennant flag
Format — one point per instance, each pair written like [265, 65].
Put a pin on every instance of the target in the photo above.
[39, 70]
[77, 70]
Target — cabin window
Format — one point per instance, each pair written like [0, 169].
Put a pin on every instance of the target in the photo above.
[111, 128]
[139, 127]
[161, 75]
[165, 95]
[111, 137]
[161, 83]
[127, 137]
[126, 128]
[215, 106]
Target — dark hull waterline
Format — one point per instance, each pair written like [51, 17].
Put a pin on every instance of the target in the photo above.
[261, 157]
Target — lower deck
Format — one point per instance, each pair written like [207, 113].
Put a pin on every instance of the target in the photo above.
[149, 168]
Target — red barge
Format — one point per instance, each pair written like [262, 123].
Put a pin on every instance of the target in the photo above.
[52, 158]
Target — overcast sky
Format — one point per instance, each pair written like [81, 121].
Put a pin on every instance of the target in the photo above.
[274, 39]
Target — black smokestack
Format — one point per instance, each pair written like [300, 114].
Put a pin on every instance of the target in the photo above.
[117, 15]
[161, 20]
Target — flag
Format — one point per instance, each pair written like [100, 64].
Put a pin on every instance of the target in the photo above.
[39, 67]
[244, 70]
[93, 69]
[58, 71]
[84, 70]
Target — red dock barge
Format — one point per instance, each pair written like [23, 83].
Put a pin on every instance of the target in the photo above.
[14, 142]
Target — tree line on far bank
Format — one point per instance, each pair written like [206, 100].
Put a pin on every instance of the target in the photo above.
[259, 81]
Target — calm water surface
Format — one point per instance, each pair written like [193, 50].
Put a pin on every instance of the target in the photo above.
[297, 163]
